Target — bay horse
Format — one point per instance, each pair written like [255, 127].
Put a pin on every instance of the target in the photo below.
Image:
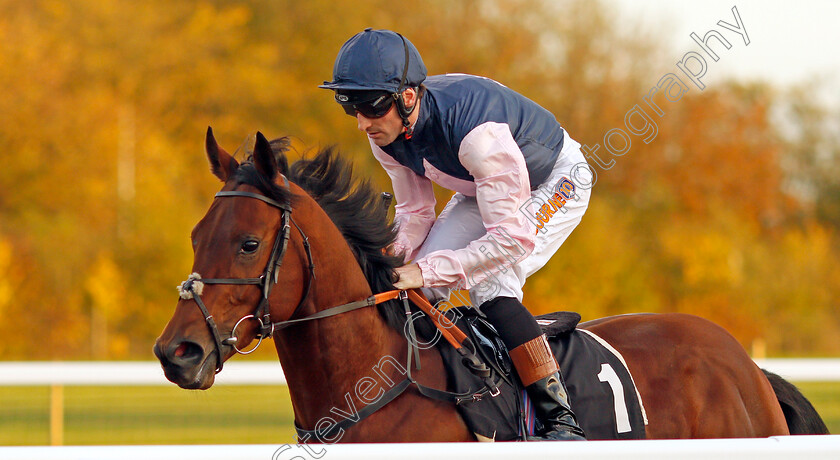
[255, 263]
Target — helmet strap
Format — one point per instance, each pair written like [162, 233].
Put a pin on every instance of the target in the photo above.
[408, 130]
[404, 113]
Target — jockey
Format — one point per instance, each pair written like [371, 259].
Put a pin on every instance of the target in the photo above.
[511, 166]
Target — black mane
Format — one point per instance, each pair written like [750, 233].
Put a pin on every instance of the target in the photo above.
[354, 206]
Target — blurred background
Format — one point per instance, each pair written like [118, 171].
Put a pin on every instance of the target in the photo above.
[730, 213]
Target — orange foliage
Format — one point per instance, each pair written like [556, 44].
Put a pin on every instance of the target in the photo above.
[105, 103]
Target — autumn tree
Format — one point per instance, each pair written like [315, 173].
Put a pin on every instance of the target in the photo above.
[728, 213]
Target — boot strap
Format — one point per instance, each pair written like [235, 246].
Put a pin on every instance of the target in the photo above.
[533, 360]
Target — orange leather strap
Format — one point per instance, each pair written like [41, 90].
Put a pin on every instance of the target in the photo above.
[447, 328]
[386, 296]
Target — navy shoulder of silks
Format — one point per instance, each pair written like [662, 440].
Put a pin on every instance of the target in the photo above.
[456, 104]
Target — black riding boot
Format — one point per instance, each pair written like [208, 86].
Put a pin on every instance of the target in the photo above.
[552, 406]
[536, 367]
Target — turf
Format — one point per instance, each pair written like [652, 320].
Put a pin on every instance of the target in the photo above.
[221, 415]
[150, 415]
[825, 396]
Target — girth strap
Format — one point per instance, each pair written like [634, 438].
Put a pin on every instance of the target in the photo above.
[363, 413]
[304, 435]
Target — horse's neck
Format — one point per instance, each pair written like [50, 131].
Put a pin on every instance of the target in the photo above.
[325, 360]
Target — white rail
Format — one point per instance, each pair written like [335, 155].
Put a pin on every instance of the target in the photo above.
[108, 373]
[243, 372]
[777, 447]
[804, 370]
[60, 374]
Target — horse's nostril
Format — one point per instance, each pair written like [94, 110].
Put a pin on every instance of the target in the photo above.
[186, 354]
[181, 350]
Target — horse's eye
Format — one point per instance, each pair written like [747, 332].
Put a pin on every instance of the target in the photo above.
[249, 247]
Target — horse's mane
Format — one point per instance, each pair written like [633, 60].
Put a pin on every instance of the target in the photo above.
[353, 205]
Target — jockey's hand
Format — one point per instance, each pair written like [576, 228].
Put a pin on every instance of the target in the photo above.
[408, 277]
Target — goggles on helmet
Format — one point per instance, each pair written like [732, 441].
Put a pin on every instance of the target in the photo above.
[371, 104]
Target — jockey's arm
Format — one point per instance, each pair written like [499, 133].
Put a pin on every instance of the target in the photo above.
[493, 158]
[415, 208]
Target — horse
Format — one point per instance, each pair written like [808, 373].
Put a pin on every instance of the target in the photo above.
[322, 237]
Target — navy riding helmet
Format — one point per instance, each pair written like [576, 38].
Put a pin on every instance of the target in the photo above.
[373, 63]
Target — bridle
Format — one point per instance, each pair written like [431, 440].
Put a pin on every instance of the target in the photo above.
[193, 287]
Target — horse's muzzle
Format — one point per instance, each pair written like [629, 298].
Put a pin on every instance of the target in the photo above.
[186, 363]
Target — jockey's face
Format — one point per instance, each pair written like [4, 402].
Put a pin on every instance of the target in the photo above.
[384, 130]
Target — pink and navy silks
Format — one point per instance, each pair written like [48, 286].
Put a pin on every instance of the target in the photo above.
[481, 139]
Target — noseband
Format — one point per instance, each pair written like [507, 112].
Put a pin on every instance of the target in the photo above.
[193, 287]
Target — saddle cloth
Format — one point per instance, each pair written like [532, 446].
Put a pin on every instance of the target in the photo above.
[601, 389]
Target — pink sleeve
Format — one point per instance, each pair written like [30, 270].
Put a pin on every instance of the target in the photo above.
[492, 157]
[415, 210]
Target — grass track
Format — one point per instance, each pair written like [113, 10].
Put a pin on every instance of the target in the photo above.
[222, 415]
[825, 396]
[150, 415]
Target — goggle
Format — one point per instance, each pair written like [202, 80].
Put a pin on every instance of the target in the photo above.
[374, 108]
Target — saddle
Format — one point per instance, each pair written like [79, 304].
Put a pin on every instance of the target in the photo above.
[600, 387]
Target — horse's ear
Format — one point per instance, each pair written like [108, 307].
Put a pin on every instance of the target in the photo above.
[221, 163]
[264, 158]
